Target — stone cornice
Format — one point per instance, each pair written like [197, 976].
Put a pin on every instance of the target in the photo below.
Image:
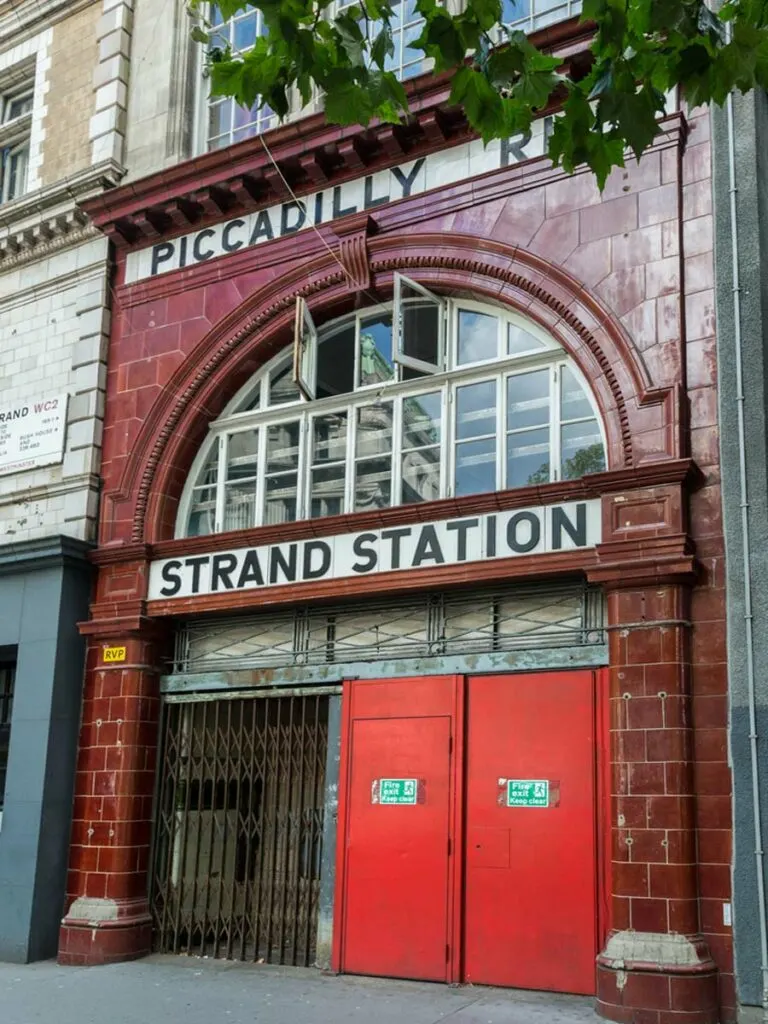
[22, 19]
[42, 222]
[44, 553]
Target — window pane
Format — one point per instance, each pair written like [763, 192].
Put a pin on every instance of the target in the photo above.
[422, 420]
[329, 437]
[373, 484]
[476, 409]
[528, 400]
[421, 475]
[528, 458]
[376, 349]
[519, 341]
[282, 387]
[209, 474]
[421, 326]
[327, 495]
[240, 506]
[374, 430]
[336, 363]
[581, 450]
[478, 337]
[202, 512]
[241, 455]
[281, 498]
[475, 467]
[245, 32]
[282, 447]
[574, 404]
[219, 118]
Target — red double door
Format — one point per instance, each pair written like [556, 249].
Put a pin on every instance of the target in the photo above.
[467, 831]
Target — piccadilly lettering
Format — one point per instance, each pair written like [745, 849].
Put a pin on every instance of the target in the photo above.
[419, 546]
[375, 190]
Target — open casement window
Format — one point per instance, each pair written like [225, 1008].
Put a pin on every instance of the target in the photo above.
[419, 327]
[15, 165]
[305, 351]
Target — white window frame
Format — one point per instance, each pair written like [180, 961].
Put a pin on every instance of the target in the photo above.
[399, 354]
[15, 138]
[550, 356]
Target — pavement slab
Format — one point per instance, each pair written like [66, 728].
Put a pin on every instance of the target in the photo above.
[187, 990]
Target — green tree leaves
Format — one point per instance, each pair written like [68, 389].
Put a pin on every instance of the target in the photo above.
[640, 52]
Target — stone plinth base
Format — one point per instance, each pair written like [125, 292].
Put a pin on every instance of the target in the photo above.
[102, 931]
[644, 978]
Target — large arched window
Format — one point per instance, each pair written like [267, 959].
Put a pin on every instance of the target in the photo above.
[461, 398]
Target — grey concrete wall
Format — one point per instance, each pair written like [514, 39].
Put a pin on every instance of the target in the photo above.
[44, 592]
[751, 155]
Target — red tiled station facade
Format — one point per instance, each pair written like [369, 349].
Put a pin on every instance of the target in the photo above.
[624, 281]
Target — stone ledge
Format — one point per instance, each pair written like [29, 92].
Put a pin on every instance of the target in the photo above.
[44, 553]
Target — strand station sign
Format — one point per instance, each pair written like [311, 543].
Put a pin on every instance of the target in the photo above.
[446, 167]
[510, 534]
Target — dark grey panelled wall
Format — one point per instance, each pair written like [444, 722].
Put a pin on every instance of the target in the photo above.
[750, 152]
[44, 592]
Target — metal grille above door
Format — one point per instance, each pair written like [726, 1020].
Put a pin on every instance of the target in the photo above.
[239, 827]
[431, 625]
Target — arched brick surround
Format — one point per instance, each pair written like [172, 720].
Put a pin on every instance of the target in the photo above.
[244, 339]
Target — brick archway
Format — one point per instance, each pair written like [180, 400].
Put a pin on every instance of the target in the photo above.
[253, 332]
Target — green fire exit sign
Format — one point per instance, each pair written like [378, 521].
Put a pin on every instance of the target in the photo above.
[398, 791]
[527, 793]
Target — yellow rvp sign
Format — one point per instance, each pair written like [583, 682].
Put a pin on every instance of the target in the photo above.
[113, 654]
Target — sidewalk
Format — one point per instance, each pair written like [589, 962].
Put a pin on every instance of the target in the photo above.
[178, 990]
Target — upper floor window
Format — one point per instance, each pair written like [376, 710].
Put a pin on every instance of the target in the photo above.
[530, 15]
[15, 132]
[407, 25]
[227, 121]
[399, 404]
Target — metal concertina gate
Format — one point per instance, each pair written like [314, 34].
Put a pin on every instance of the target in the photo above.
[239, 827]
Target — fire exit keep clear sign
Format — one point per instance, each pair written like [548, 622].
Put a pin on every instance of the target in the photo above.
[527, 793]
[398, 791]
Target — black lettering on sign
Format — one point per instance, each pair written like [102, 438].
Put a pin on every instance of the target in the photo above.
[428, 548]
[226, 240]
[262, 228]
[312, 547]
[222, 568]
[490, 537]
[361, 547]
[200, 254]
[251, 570]
[461, 526]
[518, 546]
[369, 199]
[338, 210]
[299, 210]
[396, 536]
[513, 150]
[281, 563]
[576, 531]
[161, 253]
[196, 564]
[183, 251]
[407, 180]
[172, 578]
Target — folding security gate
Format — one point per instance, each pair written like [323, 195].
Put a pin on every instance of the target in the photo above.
[239, 828]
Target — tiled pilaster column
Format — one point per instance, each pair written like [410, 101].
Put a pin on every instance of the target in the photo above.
[655, 968]
[108, 916]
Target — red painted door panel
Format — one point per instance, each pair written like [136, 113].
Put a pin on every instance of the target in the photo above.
[397, 863]
[530, 900]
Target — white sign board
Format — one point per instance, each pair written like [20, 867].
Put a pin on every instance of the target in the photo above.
[32, 433]
[446, 167]
[528, 531]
